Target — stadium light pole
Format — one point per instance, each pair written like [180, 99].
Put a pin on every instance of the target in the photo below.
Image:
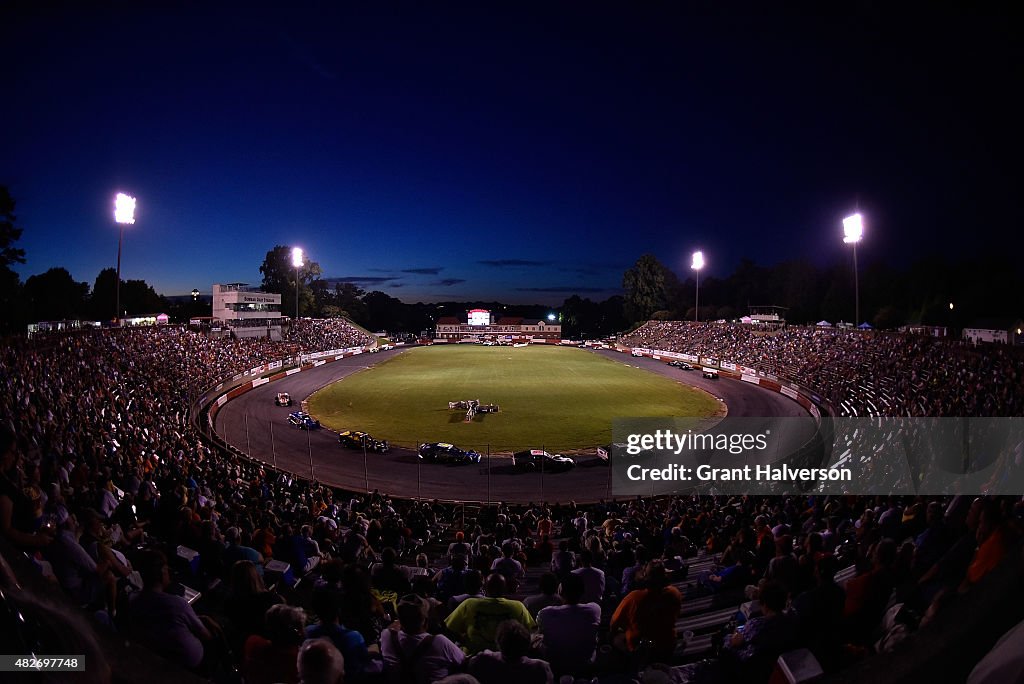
[853, 231]
[696, 265]
[297, 263]
[124, 212]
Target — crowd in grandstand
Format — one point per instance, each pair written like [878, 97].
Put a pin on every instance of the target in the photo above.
[327, 334]
[860, 373]
[104, 480]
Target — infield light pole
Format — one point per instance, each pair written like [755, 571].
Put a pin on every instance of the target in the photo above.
[853, 231]
[124, 213]
[297, 263]
[696, 264]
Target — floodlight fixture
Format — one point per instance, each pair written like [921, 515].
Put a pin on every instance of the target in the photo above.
[853, 229]
[297, 257]
[124, 208]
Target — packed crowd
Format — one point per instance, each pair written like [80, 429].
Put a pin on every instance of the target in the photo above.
[858, 373]
[103, 482]
[327, 334]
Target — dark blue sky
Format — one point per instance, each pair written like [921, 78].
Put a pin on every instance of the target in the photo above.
[524, 154]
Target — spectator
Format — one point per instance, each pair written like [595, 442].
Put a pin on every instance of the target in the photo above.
[166, 623]
[386, 576]
[763, 639]
[349, 642]
[593, 579]
[510, 665]
[476, 620]
[247, 603]
[547, 596]
[274, 660]
[411, 653]
[570, 630]
[650, 614]
[320, 662]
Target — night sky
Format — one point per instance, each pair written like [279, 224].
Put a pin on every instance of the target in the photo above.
[524, 154]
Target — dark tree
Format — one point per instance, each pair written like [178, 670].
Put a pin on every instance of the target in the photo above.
[10, 283]
[645, 285]
[55, 296]
[279, 277]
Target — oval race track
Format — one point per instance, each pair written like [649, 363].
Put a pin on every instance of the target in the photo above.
[249, 421]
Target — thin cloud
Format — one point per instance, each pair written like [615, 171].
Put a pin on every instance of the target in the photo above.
[448, 282]
[568, 288]
[431, 270]
[505, 263]
[364, 280]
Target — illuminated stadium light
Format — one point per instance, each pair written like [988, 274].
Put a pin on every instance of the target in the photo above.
[696, 264]
[551, 316]
[297, 263]
[124, 212]
[853, 229]
[124, 208]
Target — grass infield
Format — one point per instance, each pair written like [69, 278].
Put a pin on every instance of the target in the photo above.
[555, 398]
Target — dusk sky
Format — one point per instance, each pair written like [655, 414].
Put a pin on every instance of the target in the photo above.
[512, 151]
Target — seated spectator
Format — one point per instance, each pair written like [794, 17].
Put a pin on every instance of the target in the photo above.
[274, 660]
[475, 621]
[247, 603]
[508, 566]
[734, 576]
[236, 551]
[81, 577]
[819, 613]
[593, 578]
[473, 582]
[386, 576]
[548, 595]
[451, 580]
[754, 649]
[570, 630]
[459, 547]
[868, 594]
[164, 622]
[992, 537]
[563, 561]
[411, 653]
[349, 642]
[320, 662]
[18, 523]
[362, 610]
[650, 614]
[510, 664]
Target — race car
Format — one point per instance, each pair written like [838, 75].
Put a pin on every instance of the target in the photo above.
[443, 452]
[303, 420]
[710, 373]
[681, 365]
[283, 399]
[354, 439]
[536, 460]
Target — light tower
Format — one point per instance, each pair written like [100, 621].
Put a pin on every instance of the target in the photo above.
[853, 231]
[124, 212]
[696, 265]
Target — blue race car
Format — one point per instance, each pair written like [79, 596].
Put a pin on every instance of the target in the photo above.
[303, 420]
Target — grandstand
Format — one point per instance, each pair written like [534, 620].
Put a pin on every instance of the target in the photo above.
[101, 454]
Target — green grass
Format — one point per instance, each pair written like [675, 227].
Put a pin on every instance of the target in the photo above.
[556, 398]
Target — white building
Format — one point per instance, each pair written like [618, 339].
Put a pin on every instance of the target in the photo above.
[1005, 331]
[479, 325]
[248, 312]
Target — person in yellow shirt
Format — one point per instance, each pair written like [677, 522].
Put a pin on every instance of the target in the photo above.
[476, 620]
